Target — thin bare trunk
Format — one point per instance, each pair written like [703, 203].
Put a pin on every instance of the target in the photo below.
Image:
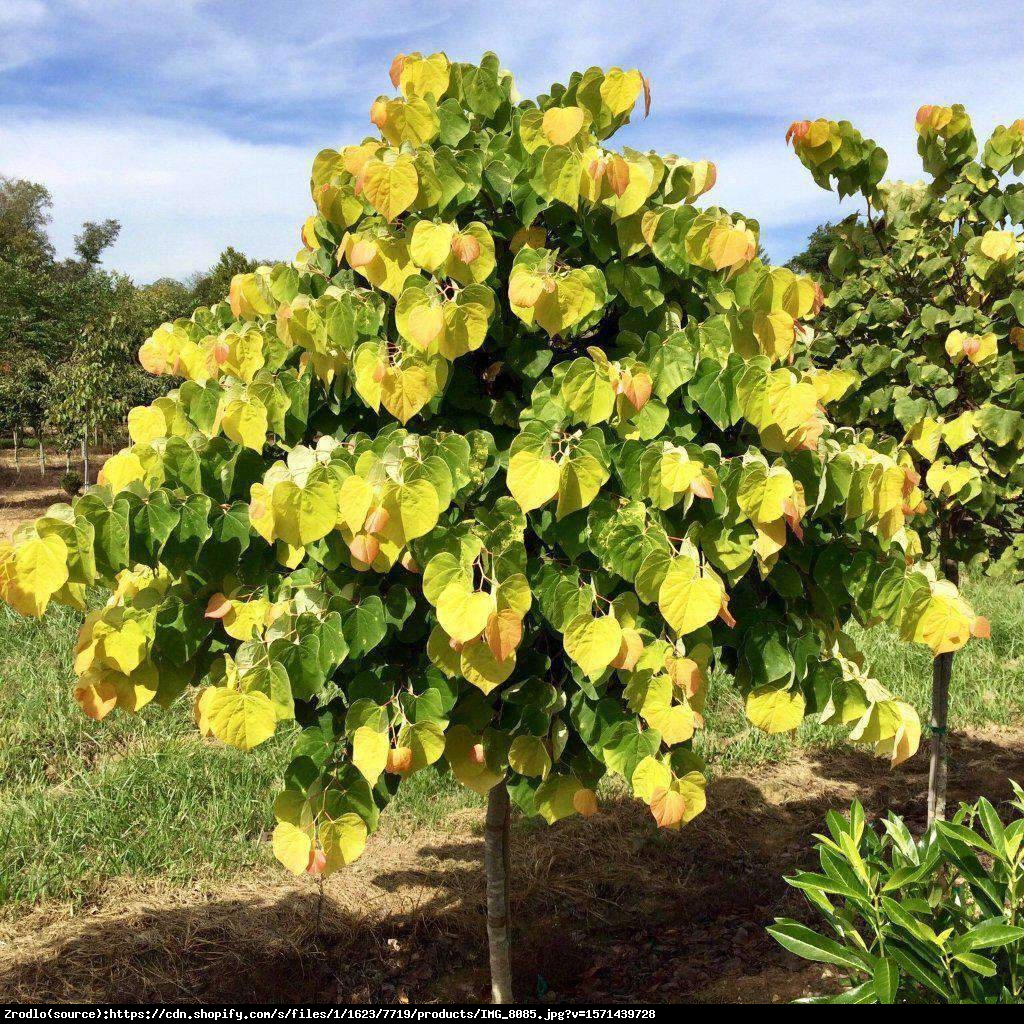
[942, 671]
[496, 832]
[17, 463]
[42, 456]
[85, 461]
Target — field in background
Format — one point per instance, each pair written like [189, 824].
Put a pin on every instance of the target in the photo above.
[82, 803]
[27, 493]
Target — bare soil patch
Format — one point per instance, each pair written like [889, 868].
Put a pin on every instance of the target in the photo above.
[25, 493]
[607, 910]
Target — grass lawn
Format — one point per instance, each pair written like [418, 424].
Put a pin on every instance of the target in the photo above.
[81, 802]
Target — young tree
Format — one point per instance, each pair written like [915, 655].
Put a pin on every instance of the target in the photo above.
[23, 386]
[56, 320]
[492, 475]
[926, 308]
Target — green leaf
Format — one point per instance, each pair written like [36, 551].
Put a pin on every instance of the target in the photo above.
[886, 980]
[806, 943]
[993, 934]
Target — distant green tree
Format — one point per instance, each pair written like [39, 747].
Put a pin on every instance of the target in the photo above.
[212, 286]
[94, 238]
[24, 216]
[823, 241]
[70, 330]
[22, 402]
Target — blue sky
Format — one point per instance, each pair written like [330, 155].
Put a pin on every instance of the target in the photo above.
[194, 123]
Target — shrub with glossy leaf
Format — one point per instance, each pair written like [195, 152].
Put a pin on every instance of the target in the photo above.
[927, 309]
[935, 920]
[492, 473]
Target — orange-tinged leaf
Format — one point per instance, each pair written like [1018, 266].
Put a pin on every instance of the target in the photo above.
[798, 131]
[364, 548]
[981, 629]
[218, 606]
[399, 760]
[793, 516]
[379, 113]
[933, 116]
[630, 649]
[729, 246]
[361, 253]
[317, 862]
[668, 807]
[702, 487]
[466, 248]
[395, 71]
[686, 675]
[616, 172]
[97, 698]
[377, 520]
[504, 633]
[585, 802]
[637, 389]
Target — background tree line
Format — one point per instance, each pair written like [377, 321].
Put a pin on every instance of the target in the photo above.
[70, 329]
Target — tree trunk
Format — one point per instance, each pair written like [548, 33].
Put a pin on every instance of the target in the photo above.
[42, 455]
[942, 671]
[67, 459]
[85, 460]
[496, 832]
[17, 464]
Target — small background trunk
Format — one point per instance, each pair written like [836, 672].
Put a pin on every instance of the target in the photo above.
[85, 461]
[496, 831]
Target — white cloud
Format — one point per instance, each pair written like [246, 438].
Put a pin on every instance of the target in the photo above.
[182, 193]
[21, 13]
[21, 25]
[728, 77]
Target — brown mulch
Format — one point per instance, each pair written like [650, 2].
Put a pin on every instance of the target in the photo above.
[606, 910]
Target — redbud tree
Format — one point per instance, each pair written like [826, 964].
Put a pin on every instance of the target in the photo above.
[492, 475]
[926, 309]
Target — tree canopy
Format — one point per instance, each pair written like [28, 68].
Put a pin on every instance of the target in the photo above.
[496, 472]
[925, 306]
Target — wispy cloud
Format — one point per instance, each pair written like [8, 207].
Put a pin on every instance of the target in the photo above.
[182, 192]
[194, 122]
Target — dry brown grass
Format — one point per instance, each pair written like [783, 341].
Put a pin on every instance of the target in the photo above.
[607, 910]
